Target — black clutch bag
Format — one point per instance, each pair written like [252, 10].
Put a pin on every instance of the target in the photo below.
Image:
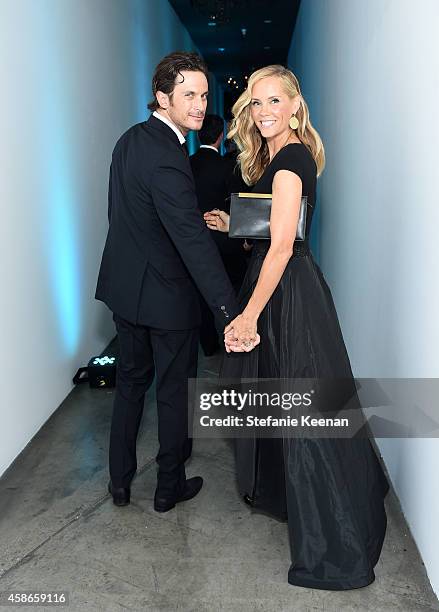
[250, 216]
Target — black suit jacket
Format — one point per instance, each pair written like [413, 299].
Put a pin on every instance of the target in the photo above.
[211, 175]
[214, 181]
[158, 243]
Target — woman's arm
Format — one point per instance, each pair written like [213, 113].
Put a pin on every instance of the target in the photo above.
[287, 193]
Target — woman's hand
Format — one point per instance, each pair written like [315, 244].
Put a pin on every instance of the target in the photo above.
[241, 334]
[232, 346]
[217, 220]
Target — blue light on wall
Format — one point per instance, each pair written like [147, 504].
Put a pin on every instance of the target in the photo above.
[192, 142]
[60, 217]
[140, 59]
[63, 251]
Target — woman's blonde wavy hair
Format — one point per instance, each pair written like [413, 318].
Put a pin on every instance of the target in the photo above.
[254, 157]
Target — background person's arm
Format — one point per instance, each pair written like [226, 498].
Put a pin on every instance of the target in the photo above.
[217, 220]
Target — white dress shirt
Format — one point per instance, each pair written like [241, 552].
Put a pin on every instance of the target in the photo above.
[174, 128]
[209, 147]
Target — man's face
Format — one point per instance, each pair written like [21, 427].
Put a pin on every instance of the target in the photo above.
[186, 107]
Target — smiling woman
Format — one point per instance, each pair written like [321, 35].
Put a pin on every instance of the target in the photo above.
[330, 490]
[267, 113]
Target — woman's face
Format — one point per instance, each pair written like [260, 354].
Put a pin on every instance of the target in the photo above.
[271, 107]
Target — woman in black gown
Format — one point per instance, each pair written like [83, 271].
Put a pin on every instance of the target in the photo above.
[330, 490]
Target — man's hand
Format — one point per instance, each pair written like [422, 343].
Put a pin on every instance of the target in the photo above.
[217, 220]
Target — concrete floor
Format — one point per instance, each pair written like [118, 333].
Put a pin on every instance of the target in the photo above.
[59, 530]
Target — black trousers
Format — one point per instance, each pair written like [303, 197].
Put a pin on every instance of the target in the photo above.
[172, 357]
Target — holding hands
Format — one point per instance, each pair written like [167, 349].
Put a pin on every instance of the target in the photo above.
[241, 334]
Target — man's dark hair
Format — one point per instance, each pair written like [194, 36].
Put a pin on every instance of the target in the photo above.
[213, 125]
[167, 71]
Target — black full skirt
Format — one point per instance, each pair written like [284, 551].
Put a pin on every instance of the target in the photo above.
[331, 491]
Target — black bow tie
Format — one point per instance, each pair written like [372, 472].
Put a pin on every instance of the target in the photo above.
[185, 149]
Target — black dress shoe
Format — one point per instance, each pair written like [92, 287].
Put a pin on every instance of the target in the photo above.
[192, 487]
[121, 496]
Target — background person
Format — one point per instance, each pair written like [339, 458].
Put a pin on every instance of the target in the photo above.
[212, 177]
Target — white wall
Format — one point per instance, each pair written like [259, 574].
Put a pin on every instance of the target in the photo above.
[370, 71]
[74, 75]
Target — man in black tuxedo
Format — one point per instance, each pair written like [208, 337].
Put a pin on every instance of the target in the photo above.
[157, 249]
[211, 171]
[213, 178]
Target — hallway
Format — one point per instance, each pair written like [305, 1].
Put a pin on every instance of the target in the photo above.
[60, 531]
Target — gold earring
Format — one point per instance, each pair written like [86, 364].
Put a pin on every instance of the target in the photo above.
[294, 122]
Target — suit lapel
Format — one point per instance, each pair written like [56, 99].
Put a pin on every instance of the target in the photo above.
[163, 129]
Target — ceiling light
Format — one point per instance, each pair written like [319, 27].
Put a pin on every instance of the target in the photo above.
[267, 20]
[216, 10]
